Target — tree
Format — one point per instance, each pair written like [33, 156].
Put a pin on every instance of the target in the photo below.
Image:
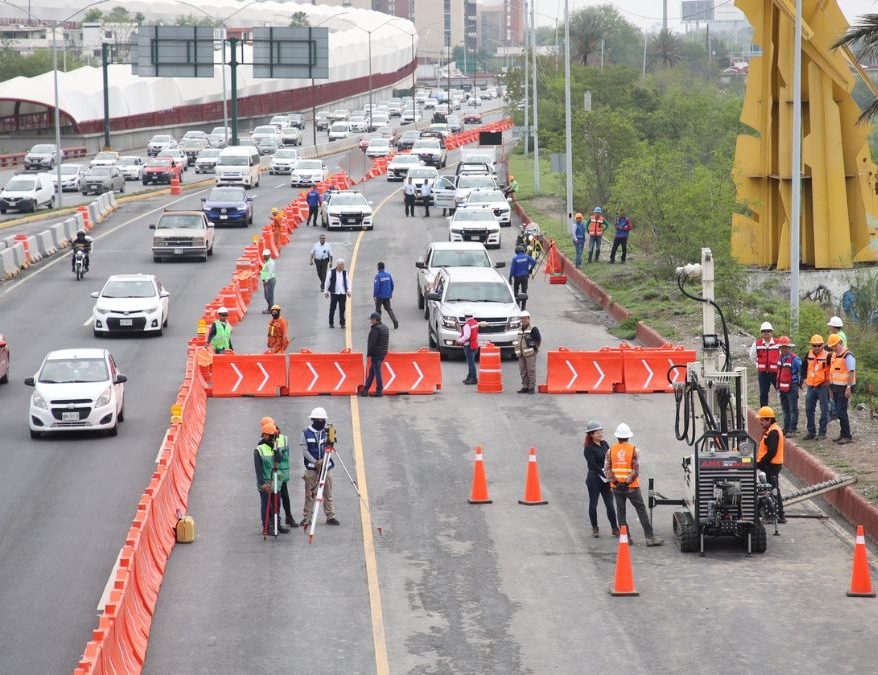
[863, 37]
[94, 15]
[299, 20]
[587, 28]
[194, 20]
[666, 48]
[604, 139]
[593, 26]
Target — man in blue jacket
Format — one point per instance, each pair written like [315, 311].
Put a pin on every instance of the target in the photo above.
[623, 228]
[578, 238]
[382, 292]
[519, 272]
[314, 201]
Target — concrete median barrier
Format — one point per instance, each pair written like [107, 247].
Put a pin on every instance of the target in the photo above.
[8, 266]
[45, 244]
[59, 237]
[71, 226]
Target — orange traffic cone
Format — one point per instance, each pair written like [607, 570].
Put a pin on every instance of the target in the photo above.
[624, 581]
[490, 370]
[554, 267]
[861, 583]
[532, 494]
[479, 492]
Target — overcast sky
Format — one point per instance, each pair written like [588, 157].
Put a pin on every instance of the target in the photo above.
[648, 13]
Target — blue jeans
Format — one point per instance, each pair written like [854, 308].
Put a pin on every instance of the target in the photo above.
[812, 397]
[594, 247]
[470, 355]
[578, 245]
[841, 409]
[374, 374]
[789, 403]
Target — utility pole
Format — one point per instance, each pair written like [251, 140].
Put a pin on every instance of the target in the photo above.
[665, 15]
[568, 115]
[526, 94]
[105, 54]
[796, 174]
[533, 36]
[233, 64]
[60, 161]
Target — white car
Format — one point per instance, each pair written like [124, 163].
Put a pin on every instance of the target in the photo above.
[131, 303]
[291, 136]
[307, 172]
[494, 201]
[131, 167]
[177, 155]
[359, 123]
[71, 177]
[399, 166]
[441, 254]
[378, 147]
[420, 175]
[158, 143]
[346, 209]
[282, 161]
[430, 104]
[206, 160]
[77, 390]
[105, 158]
[280, 121]
[195, 133]
[474, 224]
[339, 131]
[431, 151]
[266, 131]
[409, 116]
[466, 183]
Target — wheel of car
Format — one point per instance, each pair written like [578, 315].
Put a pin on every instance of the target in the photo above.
[114, 430]
[2, 210]
[33, 206]
[121, 417]
[84, 193]
[145, 183]
[122, 189]
[52, 203]
[156, 258]
[210, 250]
[250, 219]
[421, 299]
[5, 378]
[35, 434]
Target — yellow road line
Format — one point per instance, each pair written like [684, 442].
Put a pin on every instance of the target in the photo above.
[379, 642]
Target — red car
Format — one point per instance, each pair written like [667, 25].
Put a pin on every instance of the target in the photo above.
[472, 118]
[162, 170]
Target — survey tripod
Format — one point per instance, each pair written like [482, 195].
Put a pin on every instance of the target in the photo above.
[273, 499]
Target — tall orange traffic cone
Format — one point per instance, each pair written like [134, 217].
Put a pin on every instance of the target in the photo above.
[554, 268]
[623, 584]
[479, 492]
[861, 583]
[532, 494]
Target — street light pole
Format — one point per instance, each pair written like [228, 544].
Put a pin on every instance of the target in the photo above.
[105, 66]
[59, 192]
[225, 96]
[371, 111]
[795, 216]
[533, 34]
[526, 88]
[568, 114]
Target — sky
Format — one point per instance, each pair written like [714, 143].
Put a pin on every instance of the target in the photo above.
[648, 13]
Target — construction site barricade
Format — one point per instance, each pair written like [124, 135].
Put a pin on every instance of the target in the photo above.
[338, 374]
[569, 372]
[645, 370]
[45, 244]
[417, 372]
[249, 374]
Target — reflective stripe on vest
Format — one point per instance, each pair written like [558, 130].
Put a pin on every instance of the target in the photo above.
[818, 369]
[622, 463]
[763, 448]
[316, 441]
[473, 333]
[839, 373]
[282, 444]
[596, 225]
[767, 355]
[785, 374]
[521, 343]
[223, 337]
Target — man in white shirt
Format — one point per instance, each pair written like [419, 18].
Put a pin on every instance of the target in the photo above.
[427, 196]
[409, 190]
[321, 257]
[338, 290]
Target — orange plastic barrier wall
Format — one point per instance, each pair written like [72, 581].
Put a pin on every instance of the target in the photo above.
[312, 374]
[248, 375]
[417, 372]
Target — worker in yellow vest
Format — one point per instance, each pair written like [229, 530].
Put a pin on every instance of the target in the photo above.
[842, 378]
[769, 456]
[220, 336]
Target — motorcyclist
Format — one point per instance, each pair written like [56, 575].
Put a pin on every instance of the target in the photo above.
[82, 243]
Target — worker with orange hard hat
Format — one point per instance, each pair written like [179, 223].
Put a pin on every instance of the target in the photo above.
[769, 456]
[266, 462]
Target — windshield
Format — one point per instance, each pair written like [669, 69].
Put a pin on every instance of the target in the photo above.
[411, 135]
[476, 182]
[426, 145]
[478, 291]
[184, 222]
[379, 143]
[226, 195]
[267, 129]
[406, 159]
[279, 119]
[473, 215]
[171, 152]
[160, 139]
[129, 160]
[105, 155]
[290, 131]
[43, 149]
[286, 154]
[99, 171]
[209, 153]
[486, 197]
[266, 141]
[460, 259]
[218, 131]
[20, 184]
[69, 169]
[235, 160]
[309, 164]
[74, 370]
[348, 200]
[163, 162]
[340, 126]
[129, 289]
[423, 173]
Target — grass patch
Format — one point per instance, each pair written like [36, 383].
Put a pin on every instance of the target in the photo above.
[627, 330]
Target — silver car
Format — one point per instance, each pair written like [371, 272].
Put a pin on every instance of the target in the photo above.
[99, 179]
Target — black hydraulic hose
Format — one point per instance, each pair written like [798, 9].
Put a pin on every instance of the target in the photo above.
[727, 365]
[683, 399]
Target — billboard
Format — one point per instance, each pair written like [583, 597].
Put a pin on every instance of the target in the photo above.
[173, 51]
[697, 10]
[291, 52]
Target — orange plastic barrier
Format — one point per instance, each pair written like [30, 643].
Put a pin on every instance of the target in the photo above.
[570, 372]
[336, 374]
[417, 372]
[249, 374]
[86, 219]
[490, 370]
[645, 370]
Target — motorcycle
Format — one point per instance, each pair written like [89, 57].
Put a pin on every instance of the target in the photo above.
[79, 263]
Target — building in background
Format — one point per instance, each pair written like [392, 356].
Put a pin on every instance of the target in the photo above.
[722, 20]
[500, 25]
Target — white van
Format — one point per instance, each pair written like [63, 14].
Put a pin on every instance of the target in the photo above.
[339, 131]
[238, 165]
[28, 192]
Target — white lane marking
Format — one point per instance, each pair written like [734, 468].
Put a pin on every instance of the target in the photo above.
[89, 320]
[341, 372]
[574, 374]
[314, 373]
[649, 370]
[240, 376]
[264, 372]
[392, 375]
[601, 378]
[420, 375]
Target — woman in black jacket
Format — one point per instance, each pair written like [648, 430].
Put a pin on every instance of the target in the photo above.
[595, 450]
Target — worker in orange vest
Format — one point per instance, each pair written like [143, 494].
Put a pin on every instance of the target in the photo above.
[769, 456]
[842, 378]
[596, 226]
[278, 332]
[817, 382]
[277, 221]
[622, 467]
[765, 352]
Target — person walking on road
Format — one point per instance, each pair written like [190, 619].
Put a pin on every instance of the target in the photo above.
[313, 444]
[623, 229]
[469, 338]
[426, 196]
[595, 450]
[282, 453]
[769, 456]
[376, 351]
[789, 378]
[578, 239]
[220, 335]
[268, 277]
[338, 290]
[766, 353]
[842, 378]
[622, 467]
[321, 257]
[519, 273]
[266, 462]
[527, 344]
[409, 191]
[314, 200]
[382, 292]
[817, 388]
[597, 224]
[278, 332]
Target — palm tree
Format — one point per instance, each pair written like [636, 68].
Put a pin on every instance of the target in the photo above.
[863, 39]
[586, 31]
[666, 48]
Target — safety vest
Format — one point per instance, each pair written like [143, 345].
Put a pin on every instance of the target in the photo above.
[523, 344]
[785, 373]
[622, 463]
[266, 454]
[839, 373]
[763, 448]
[473, 333]
[316, 441]
[596, 226]
[222, 339]
[767, 355]
[267, 272]
[282, 445]
[818, 368]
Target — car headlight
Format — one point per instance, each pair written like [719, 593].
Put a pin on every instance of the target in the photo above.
[153, 310]
[39, 401]
[514, 323]
[104, 398]
[449, 321]
[101, 310]
[456, 230]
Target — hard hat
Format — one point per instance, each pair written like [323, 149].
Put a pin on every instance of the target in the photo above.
[275, 307]
[318, 414]
[578, 216]
[623, 431]
[269, 428]
[222, 310]
[816, 339]
[597, 209]
[765, 412]
[783, 341]
[766, 326]
[833, 340]
[266, 420]
[593, 426]
[835, 322]
[266, 252]
[274, 210]
[525, 313]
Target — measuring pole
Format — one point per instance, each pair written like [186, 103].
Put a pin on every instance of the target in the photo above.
[318, 499]
[275, 499]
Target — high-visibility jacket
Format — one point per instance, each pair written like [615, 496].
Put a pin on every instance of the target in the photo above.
[763, 447]
[787, 375]
[818, 368]
[267, 272]
[596, 226]
[282, 447]
[277, 335]
[767, 355]
[839, 373]
[525, 344]
[266, 457]
[223, 338]
[622, 463]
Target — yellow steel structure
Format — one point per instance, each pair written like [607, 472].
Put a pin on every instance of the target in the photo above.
[839, 204]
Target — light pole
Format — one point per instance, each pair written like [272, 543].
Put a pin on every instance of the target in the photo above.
[313, 96]
[795, 216]
[568, 114]
[533, 34]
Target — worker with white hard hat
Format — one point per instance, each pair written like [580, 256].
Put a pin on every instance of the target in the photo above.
[313, 442]
[220, 335]
[622, 467]
[527, 344]
[268, 277]
[835, 328]
[765, 352]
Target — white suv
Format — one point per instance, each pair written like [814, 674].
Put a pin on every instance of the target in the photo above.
[444, 254]
[347, 208]
[77, 390]
[474, 224]
[494, 201]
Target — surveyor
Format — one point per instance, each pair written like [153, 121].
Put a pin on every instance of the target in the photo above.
[313, 443]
